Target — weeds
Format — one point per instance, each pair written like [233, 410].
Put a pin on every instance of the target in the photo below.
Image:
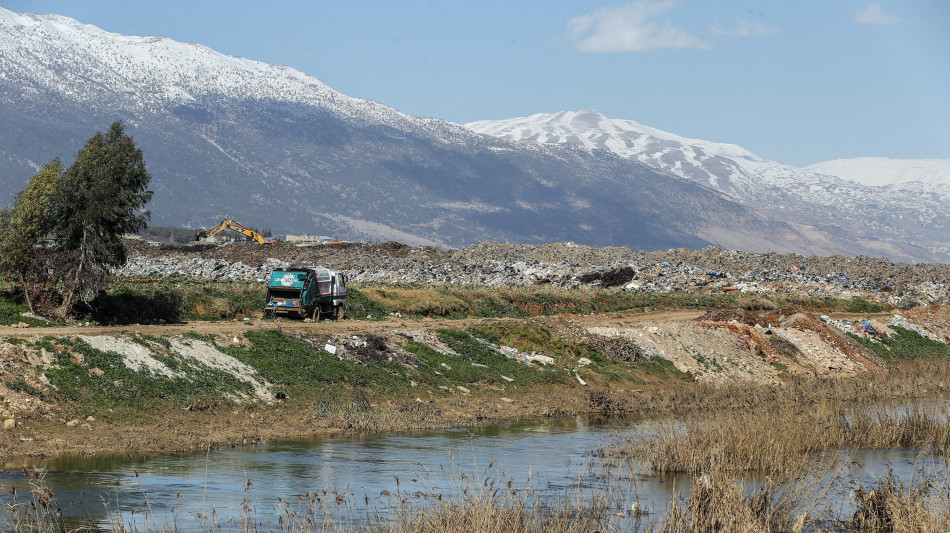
[905, 344]
[302, 367]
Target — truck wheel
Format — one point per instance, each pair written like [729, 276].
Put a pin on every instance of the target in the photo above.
[316, 313]
[339, 312]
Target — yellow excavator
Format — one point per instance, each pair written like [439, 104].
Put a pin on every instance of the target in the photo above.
[232, 225]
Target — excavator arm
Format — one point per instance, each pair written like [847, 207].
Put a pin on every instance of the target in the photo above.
[231, 225]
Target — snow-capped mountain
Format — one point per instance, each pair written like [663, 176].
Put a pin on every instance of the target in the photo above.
[882, 171]
[227, 137]
[911, 202]
[157, 72]
[275, 148]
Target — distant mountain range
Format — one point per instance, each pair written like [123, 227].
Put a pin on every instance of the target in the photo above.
[878, 201]
[274, 148]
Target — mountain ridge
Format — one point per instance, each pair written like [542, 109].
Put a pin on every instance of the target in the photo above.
[228, 137]
[894, 210]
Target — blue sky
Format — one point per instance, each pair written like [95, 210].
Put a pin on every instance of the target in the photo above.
[799, 82]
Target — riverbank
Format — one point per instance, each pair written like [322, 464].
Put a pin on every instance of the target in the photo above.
[177, 388]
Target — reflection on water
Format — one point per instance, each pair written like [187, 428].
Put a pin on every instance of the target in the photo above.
[552, 457]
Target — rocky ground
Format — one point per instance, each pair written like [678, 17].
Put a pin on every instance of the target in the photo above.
[565, 264]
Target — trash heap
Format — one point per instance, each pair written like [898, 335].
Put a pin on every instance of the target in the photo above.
[566, 265]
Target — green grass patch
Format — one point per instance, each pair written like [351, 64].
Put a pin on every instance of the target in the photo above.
[471, 350]
[661, 368]
[360, 307]
[20, 385]
[302, 369]
[905, 344]
[12, 309]
[858, 305]
[119, 385]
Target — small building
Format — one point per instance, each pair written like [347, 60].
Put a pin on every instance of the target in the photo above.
[310, 239]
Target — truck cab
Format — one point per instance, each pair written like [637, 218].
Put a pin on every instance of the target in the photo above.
[311, 291]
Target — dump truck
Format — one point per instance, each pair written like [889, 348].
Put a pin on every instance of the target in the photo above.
[306, 291]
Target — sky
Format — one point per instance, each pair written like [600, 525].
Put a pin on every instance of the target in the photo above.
[798, 82]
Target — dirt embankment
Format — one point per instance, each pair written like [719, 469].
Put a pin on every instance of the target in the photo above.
[57, 383]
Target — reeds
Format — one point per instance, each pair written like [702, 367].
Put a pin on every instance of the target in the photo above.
[782, 437]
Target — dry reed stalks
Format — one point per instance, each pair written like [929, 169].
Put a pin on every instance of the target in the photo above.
[892, 506]
[781, 430]
[718, 504]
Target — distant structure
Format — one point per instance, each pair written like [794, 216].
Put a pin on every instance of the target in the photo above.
[309, 239]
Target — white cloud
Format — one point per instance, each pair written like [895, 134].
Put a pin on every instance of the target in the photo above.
[744, 28]
[630, 28]
[875, 14]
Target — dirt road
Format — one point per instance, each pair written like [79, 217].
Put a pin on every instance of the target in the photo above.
[324, 327]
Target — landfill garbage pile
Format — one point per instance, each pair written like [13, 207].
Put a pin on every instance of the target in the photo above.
[566, 264]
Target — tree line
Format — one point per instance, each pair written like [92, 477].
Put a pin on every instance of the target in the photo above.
[64, 231]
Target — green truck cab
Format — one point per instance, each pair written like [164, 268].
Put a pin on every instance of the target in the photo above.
[313, 292]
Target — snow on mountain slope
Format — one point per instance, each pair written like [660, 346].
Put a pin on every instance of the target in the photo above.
[728, 168]
[174, 72]
[911, 207]
[882, 171]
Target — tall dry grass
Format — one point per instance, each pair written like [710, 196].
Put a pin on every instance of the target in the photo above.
[785, 435]
[890, 505]
[718, 504]
[780, 441]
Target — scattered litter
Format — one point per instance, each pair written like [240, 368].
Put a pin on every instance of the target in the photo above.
[540, 358]
[583, 361]
[506, 378]
[463, 389]
[330, 348]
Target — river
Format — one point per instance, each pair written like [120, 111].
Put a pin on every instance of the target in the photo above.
[353, 474]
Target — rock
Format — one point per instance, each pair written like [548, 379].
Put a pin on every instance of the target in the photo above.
[90, 419]
[72, 423]
[96, 371]
[463, 389]
[9, 423]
